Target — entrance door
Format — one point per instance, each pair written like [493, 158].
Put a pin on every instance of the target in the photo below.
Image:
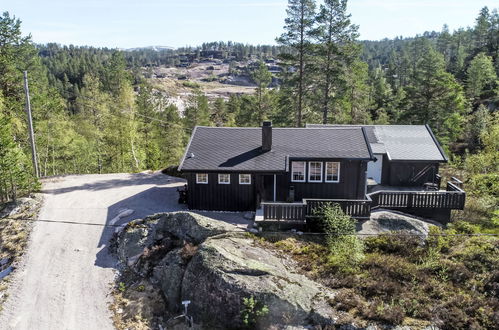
[268, 188]
[374, 168]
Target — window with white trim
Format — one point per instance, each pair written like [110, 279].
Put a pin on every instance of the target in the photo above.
[332, 172]
[224, 178]
[244, 178]
[315, 172]
[298, 171]
[202, 178]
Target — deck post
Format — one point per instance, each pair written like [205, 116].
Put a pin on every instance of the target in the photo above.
[275, 189]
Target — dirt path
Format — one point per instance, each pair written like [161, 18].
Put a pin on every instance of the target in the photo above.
[64, 279]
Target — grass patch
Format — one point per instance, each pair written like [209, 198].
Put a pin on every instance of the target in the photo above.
[191, 84]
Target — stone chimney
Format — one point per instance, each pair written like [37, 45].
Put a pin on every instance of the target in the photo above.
[266, 135]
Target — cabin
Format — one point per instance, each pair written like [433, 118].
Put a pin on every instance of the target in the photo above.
[285, 174]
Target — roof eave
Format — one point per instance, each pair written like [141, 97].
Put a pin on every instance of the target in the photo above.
[444, 156]
[187, 149]
[371, 155]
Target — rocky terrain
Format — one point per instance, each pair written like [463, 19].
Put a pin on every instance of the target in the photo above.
[230, 280]
[211, 78]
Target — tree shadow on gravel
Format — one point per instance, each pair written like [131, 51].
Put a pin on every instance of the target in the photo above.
[132, 180]
[148, 202]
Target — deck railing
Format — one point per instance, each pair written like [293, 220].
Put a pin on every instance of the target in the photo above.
[283, 211]
[309, 207]
[357, 208]
[413, 199]
[454, 198]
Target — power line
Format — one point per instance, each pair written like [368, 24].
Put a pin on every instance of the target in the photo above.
[265, 232]
[62, 221]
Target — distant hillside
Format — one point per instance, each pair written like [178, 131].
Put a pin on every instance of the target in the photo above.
[154, 48]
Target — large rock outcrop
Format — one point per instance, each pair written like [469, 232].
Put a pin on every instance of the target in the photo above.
[215, 265]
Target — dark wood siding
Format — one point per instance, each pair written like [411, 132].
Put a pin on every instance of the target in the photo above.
[236, 197]
[351, 185]
[402, 173]
[221, 197]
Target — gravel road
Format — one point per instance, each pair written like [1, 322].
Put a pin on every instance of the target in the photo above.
[64, 278]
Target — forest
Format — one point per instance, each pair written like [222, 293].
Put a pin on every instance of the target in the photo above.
[94, 110]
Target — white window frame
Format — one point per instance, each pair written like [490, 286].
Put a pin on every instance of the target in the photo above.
[199, 181]
[220, 175]
[339, 169]
[304, 171]
[310, 172]
[249, 176]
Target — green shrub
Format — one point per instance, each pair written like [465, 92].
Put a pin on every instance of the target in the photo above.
[346, 250]
[479, 254]
[253, 310]
[464, 227]
[190, 84]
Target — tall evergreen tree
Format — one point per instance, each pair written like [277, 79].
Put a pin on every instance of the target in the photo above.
[16, 176]
[298, 25]
[335, 52]
[262, 77]
[434, 97]
[481, 81]
[197, 113]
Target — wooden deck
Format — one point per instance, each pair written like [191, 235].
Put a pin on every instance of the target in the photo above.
[453, 198]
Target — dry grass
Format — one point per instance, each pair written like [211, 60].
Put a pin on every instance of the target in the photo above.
[14, 234]
[137, 306]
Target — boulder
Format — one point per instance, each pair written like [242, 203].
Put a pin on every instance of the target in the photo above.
[192, 257]
[226, 270]
[168, 275]
[184, 226]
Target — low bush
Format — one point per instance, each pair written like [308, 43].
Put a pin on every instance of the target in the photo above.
[347, 300]
[190, 84]
[346, 249]
[252, 311]
[392, 244]
[386, 313]
[450, 280]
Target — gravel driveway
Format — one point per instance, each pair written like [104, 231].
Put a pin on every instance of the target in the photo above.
[64, 278]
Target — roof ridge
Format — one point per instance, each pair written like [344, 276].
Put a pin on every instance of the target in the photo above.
[280, 128]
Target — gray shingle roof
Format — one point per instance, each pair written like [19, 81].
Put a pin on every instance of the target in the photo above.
[239, 149]
[400, 142]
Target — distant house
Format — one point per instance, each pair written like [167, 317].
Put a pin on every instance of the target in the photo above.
[285, 173]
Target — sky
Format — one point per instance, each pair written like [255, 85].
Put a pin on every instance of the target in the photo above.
[177, 23]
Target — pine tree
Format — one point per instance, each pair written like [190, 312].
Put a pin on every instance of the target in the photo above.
[16, 176]
[197, 113]
[93, 120]
[481, 78]
[262, 77]
[434, 97]
[298, 25]
[335, 52]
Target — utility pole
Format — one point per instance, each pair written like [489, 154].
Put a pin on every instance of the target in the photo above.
[30, 125]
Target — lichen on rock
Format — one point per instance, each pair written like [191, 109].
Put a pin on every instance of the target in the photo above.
[215, 265]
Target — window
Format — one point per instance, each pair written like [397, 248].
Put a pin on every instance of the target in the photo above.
[315, 172]
[298, 171]
[202, 178]
[332, 172]
[244, 178]
[224, 178]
